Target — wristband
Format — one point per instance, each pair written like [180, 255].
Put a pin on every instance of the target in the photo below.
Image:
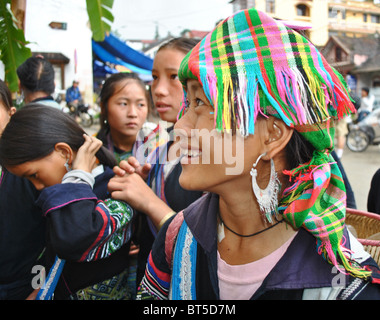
[164, 219]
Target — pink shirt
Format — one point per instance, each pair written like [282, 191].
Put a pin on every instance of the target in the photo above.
[240, 282]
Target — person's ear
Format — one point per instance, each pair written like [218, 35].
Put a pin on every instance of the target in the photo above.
[277, 136]
[65, 151]
[12, 111]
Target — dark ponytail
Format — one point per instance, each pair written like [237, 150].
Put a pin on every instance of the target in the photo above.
[33, 132]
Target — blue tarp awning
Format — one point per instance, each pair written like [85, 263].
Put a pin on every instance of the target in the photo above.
[121, 50]
[101, 70]
[115, 51]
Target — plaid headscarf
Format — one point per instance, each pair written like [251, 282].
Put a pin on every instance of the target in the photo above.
[251, 64]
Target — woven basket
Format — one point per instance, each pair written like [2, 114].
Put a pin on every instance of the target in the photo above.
[373, 248]
[367, 228]
[366, 224]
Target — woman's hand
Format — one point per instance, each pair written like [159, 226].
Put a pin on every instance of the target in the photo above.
[85, 158]
[132, 189]
[132, 166]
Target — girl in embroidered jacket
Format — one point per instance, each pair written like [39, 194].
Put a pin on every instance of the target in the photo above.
[256, 132]
[155, 190]
[87, 229]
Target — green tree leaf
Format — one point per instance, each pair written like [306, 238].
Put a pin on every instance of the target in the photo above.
[13, 50]
[101, 18]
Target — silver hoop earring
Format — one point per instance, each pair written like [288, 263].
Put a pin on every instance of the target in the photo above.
[267, 198]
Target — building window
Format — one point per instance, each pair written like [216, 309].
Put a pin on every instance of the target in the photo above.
[302, 10]
[270, 6]
[338, 54]
[375, 18]
[365, 18]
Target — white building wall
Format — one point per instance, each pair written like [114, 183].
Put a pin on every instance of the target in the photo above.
[77, 37]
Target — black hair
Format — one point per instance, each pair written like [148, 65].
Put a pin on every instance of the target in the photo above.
[181, 43]
[108, 90]
[5, 96]
[365, 89]
[37, 74]
[298, 151]
[33, 132]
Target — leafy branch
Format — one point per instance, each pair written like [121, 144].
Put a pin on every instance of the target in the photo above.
[13, 50]
[101, 18]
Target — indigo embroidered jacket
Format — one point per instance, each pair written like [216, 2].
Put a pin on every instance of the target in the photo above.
[300, 274]
[22, 236]
[87, 231]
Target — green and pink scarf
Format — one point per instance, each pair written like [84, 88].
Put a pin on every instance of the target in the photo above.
[251, 64]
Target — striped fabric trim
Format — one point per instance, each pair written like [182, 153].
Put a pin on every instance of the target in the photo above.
[184, 266]
[155, 283]
[115, 232]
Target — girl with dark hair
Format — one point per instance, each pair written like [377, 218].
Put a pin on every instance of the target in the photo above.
[166, 89]
[160, 195]
[22, 226]
[125, 104]
[36, 76]
[88, 234]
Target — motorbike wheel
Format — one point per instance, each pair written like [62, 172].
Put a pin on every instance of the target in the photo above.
[357, 140]
[86, 120]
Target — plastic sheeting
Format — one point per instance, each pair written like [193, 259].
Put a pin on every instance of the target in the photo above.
[115, 51]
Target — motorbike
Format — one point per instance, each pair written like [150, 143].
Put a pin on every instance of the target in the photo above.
[81, 112]
[364, 133]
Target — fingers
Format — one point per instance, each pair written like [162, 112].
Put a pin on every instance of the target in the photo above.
[116, 185]
[133, 162]
[131, 165]
[85, 158]
[146, 169]
[127, 167]
[119, 172]
[134, 166]
[91, 144]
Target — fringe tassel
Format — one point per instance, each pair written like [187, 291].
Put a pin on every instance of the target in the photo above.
[347, 265]
[297, 97]
[228, 99]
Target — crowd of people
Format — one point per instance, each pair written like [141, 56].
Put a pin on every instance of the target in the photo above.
[138, 211]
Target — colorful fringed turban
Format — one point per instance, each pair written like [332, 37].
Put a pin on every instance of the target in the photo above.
[251, 64]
